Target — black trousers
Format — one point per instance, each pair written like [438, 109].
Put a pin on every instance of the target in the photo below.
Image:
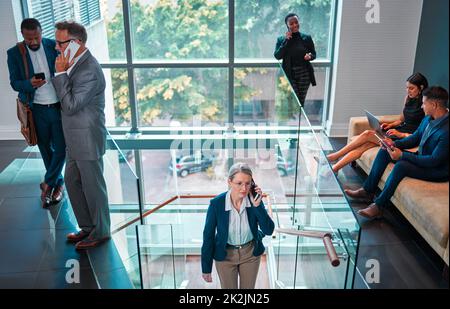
[300, 82]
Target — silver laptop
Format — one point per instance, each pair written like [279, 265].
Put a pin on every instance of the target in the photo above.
[375, 124]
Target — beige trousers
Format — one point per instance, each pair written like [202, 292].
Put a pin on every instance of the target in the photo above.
[239, 263]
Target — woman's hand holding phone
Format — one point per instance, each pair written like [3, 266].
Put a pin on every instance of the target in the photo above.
[288, 35]
[255, 194]
[308, 56]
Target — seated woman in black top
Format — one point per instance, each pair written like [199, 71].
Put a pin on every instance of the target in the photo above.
[297, 50]
[409, 121]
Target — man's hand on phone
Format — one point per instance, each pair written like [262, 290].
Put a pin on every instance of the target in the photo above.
[62, 63]
[389, 142]
[395, 153]
[386, 142]
[36, 83]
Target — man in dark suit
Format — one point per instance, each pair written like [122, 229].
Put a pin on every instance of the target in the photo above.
[80, 86]
[429, 163]
[40, 94]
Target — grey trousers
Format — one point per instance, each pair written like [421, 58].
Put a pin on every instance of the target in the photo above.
[86, 187]
[238, 263]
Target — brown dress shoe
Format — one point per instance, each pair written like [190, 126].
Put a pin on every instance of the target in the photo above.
[77, 236]
[57, 194]
[359, 193]
[371, 212]
[90, 243]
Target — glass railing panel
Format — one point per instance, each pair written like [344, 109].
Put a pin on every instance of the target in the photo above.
[263, 96]
[162, 256]
[317, 200]
[188, 220]
[123, 197]
[181, 172]
[122, 184]
[181, 276]
[127, 246]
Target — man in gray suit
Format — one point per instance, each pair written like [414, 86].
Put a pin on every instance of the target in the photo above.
[80, 87]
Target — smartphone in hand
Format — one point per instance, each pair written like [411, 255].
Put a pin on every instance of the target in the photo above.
[39, 76]
[73, 47]
[385, 145]
[253, 191]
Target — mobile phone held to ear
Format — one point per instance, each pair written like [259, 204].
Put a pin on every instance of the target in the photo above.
[73, 47]
[39, 76]
[253, 191]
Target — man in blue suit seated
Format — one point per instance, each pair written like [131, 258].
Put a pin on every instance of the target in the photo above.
[236, 222]
[429, 163]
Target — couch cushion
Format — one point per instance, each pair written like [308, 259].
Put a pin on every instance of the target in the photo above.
[426, 202]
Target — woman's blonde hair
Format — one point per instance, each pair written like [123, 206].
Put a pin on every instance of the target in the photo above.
[239, 168]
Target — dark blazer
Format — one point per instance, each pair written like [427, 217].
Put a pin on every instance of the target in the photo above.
[17, 69]
[215, 233]
[280, 53]
[434, 150]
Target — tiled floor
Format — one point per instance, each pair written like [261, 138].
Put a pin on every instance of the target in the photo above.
[34, 251]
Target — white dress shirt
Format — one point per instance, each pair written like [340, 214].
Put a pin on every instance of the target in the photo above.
[45, 94]
[239, 232]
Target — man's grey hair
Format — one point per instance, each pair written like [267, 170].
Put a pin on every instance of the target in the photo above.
[239, 168]
[75, 30]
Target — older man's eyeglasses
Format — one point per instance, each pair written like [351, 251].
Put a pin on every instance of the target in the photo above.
[60, 43]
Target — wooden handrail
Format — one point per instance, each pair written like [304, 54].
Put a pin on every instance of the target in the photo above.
[148, 212]
[326, 237]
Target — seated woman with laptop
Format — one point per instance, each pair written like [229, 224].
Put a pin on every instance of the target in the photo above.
[409, 121]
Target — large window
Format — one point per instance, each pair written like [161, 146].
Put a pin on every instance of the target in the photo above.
[50, 11]
[186, 97]
[172, 30]
[196, 62]
[259, 22]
